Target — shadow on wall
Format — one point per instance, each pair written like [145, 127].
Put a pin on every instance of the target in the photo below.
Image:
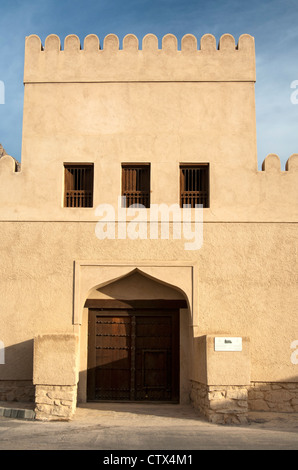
[16, 383]
[16, 372]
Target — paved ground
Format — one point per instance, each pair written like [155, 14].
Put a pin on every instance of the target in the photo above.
[124, 427]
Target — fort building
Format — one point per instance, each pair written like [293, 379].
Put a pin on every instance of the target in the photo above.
[144, 256]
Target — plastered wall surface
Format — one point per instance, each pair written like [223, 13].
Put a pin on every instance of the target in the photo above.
[246, 285]
[162, 106]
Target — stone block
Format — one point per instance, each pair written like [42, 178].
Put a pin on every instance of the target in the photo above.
[221, 405]
[55, 403]
[278, 396]
[240, 394]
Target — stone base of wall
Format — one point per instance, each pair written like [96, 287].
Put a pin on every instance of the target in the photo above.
[274, 397]
[55, 402]
[220, 404]
[231, 404]
[17, 390]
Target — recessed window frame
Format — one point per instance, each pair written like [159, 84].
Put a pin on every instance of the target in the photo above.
[78, 185]
[194, 184]
[136, 184]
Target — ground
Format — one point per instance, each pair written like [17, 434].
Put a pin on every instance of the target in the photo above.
[162, 427]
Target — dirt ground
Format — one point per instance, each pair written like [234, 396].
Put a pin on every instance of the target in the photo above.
[131, 427]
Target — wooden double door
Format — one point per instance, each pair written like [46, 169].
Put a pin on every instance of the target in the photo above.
[133, 355]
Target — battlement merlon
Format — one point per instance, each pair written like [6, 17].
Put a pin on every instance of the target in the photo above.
[226, 63]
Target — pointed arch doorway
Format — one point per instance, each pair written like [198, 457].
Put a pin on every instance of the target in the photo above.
[134, 343]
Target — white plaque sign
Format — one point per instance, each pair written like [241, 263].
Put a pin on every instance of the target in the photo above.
[227, 344]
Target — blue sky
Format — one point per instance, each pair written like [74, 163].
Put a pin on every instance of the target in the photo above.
[273, 23]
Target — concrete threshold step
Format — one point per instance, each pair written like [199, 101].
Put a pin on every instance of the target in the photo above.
[17, 411]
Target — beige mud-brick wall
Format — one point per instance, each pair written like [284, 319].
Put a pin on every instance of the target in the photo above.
[236, 295]
[163, 106]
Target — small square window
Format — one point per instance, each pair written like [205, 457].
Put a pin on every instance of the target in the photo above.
[78, 185]
[194, 184]
[136, 184]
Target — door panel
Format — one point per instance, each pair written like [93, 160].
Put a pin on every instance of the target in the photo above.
[153, 357]
[133, 355]
[109, 357]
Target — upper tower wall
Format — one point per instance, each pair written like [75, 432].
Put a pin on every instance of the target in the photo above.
[226, 62]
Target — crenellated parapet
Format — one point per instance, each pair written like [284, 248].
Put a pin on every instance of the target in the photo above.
[272, 164]
[292, 163]
[9, 165]
[93, 62]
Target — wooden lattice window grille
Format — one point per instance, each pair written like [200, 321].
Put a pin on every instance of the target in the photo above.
[136, 185]
[78, 185]
[194, 185]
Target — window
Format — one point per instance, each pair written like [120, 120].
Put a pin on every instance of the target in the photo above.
[78, 185]
[194, 184]
[136, 184]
